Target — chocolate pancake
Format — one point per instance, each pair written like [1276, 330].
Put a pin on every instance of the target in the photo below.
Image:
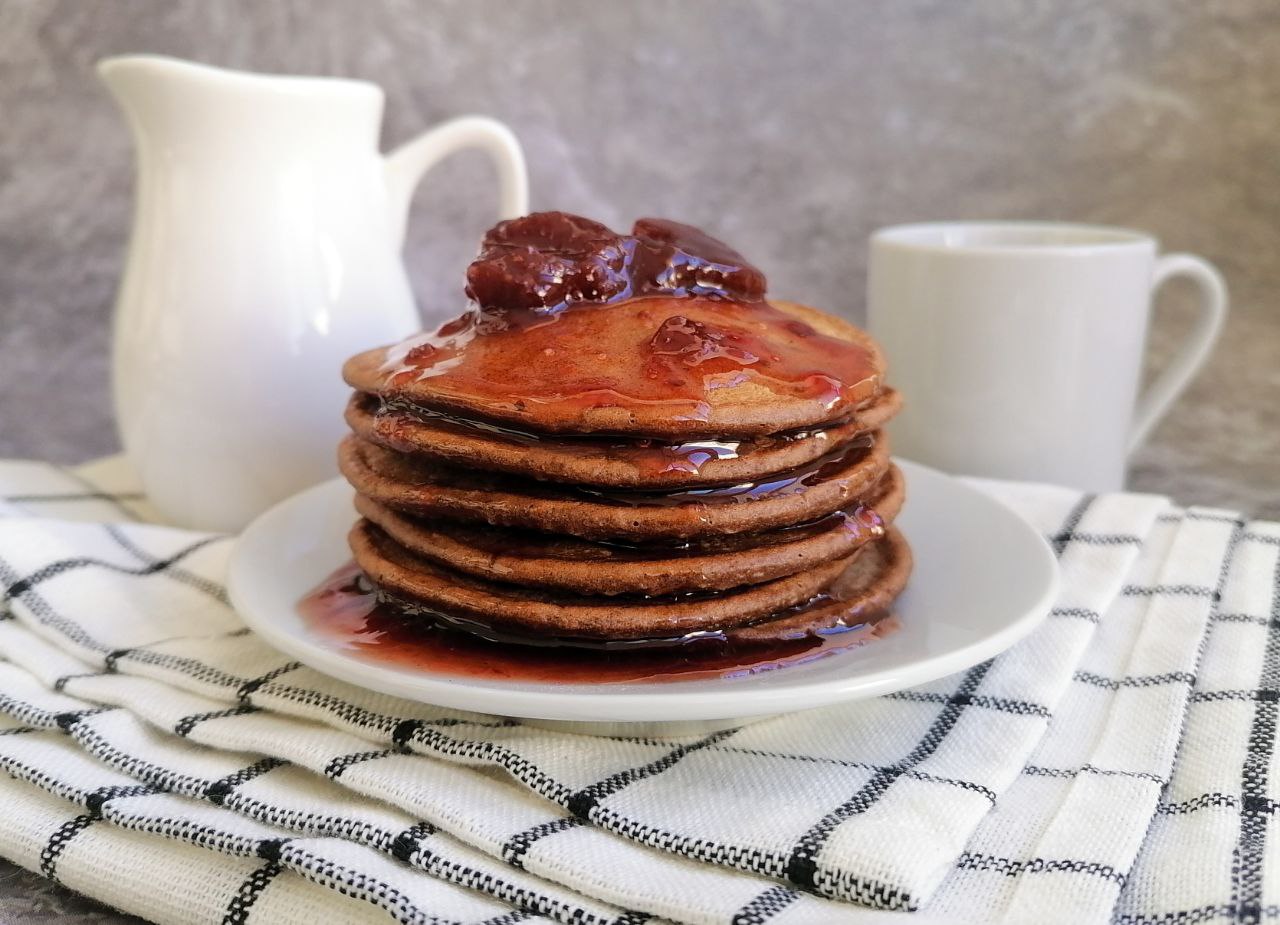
[797, 496]
[652, 367]
[620, 445]
[609, 462]
[416, 581]
[582, 567]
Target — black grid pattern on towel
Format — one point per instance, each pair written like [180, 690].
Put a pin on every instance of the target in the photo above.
[242, 903]
[1099, 869]
[1256, 810]
[1246, 895]
[280, 852]
[406, 846]
[169, 569]
[588, 801]
[801, 866]
[1061, 869]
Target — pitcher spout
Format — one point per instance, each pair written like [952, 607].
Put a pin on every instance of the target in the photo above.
[203, 104]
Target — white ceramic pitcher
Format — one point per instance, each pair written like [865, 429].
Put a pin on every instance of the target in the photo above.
[265, 251]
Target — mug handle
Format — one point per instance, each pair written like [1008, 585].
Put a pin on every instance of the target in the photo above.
[406, 165]
[1169, 384]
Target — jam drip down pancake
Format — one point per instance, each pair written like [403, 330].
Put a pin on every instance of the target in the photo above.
[622, 445]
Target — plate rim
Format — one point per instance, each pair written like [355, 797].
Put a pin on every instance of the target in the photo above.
[673, 702]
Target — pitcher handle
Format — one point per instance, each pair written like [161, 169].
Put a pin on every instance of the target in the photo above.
[406, 165]
[1170, 383]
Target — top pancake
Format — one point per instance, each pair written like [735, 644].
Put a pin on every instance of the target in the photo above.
[652, 367]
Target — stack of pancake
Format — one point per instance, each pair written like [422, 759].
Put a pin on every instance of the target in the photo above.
[638, 474]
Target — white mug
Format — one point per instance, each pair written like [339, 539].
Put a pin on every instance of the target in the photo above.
[1018, 345]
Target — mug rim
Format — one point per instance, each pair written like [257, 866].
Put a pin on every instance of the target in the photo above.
[1091, 238]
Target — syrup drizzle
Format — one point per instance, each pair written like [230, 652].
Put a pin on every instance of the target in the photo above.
[787, 483]
[346, 611]
[576, 360]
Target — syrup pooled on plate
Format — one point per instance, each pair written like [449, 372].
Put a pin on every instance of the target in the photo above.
[345, 611]
[567, 312]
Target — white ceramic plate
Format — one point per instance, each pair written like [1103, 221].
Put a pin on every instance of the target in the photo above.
[983, 579]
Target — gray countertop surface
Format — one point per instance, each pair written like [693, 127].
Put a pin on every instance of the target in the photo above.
[29, 899]
[793, 135]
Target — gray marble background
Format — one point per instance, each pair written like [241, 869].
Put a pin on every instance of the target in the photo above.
[790, 129]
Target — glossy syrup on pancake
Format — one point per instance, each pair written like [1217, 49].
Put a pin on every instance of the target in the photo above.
[568, 313]
[347, 610]
[785, 483]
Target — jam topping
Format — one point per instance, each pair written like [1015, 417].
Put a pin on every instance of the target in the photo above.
[534, 267]
[694, 343]
[675, 259]
[570, 316]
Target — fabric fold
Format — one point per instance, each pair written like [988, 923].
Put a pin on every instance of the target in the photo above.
[121, 648]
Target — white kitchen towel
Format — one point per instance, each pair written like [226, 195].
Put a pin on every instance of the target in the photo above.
[868, 802]
[1213, 850]
[159, 878]
[1063, 840]
[871, 803]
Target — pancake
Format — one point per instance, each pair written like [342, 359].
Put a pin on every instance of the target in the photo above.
[652, 367]
[800, 495]
[581, 567]
[412, 579]
[616, 462]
